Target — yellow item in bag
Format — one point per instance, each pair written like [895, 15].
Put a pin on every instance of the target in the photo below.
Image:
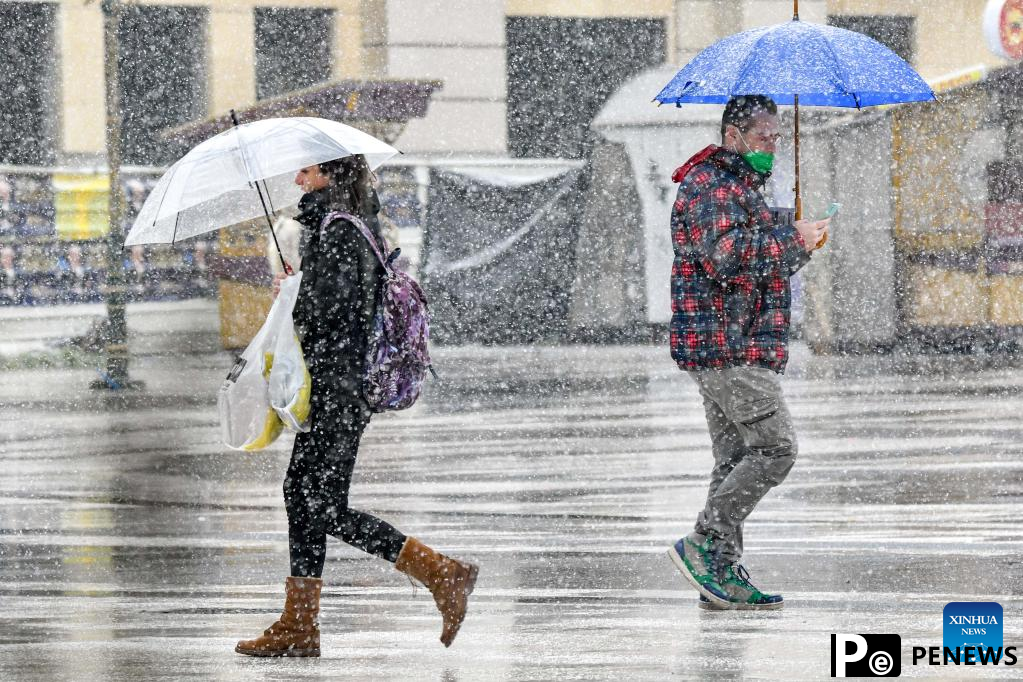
[272, 424]
[290, 383]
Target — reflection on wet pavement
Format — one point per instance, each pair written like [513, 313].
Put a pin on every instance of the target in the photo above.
[133, 546]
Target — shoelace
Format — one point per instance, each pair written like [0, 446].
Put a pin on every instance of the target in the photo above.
[742, 573]
[715, 561]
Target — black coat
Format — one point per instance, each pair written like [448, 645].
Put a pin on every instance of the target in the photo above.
[341, 280]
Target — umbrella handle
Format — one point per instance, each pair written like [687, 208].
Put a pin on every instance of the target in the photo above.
[266, 211]
[799, 196]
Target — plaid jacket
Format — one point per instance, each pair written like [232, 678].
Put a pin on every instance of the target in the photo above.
[730, 295]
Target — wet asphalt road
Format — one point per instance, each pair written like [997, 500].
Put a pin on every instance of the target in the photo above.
[134, 547]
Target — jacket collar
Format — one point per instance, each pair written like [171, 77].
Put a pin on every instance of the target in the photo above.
[312, 209]
[725, 160]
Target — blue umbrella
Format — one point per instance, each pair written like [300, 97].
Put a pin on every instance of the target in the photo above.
[798, 63]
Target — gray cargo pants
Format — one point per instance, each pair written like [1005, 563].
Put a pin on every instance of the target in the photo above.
[754, 448]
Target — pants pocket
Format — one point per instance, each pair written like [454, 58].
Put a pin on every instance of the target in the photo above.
[766, 428]
[753, 411]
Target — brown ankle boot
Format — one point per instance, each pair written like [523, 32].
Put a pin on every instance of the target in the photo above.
[297, 632]
[449, 581]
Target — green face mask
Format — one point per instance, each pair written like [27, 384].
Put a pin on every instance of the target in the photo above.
[761, 162]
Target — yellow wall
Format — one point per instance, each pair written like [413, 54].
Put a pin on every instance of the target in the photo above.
[230, 66]
[948, 37]
[590, 8]
[82, 122]
[231, 51]
[949, 33]
[348, 39]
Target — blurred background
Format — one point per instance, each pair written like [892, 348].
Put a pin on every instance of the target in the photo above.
[535, 167]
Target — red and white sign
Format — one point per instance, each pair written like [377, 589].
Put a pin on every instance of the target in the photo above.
[1003, 28]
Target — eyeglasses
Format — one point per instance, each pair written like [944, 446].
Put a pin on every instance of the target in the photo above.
[774, 137]
[760, 137]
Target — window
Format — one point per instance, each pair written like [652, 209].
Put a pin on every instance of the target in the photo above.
[896, 33]
[162, 69]
[27, 80]
[293, 49]
[560, 73]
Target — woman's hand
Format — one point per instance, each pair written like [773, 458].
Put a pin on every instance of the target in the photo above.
[278, 278]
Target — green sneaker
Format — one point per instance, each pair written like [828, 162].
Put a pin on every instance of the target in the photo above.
[708, 605]
[743, 595]
[700, 564]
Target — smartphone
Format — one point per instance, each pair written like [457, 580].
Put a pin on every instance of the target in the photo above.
[832, 210]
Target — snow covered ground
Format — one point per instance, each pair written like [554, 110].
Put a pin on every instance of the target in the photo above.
[134, 547]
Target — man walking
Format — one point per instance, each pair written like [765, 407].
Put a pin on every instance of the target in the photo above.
[731, 303]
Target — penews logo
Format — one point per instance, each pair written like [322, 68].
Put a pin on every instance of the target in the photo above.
[972, 636]
[866, 655]
[973, 628]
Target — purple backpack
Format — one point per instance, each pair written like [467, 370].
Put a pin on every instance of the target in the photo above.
[397, 358]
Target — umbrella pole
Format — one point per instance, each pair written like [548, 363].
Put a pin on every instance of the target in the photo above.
[799, 198]
[266, 211]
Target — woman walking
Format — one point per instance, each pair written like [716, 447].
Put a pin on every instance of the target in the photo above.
[341, 280]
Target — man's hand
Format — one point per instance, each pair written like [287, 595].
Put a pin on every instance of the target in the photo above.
[813, 232]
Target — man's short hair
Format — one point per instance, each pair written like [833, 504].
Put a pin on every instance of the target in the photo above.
[740, 110]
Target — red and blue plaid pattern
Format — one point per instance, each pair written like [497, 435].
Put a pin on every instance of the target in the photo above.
[730, 295]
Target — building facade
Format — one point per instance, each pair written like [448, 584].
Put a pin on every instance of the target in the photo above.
[520, 77]
[517, 81]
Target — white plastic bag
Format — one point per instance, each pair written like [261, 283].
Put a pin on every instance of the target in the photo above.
[290, 383]
[269, 386]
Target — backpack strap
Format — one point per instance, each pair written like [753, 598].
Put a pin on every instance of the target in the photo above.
[361, 225]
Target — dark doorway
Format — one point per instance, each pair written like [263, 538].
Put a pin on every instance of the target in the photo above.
[28, 82]
[896, 33]
[292, 49]
[162, 68]
[560, 73]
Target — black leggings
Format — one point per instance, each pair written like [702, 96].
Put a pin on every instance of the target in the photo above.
[316, 490]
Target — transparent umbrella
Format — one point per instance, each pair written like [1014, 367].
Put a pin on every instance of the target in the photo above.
[243, 173]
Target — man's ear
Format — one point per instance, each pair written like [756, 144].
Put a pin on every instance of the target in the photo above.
[731, 138]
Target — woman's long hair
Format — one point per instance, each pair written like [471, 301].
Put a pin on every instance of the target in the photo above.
[351, 184]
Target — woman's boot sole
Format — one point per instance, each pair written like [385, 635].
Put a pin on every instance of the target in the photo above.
[287, 653]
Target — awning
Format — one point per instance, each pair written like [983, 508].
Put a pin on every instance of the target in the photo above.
[377, 101]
